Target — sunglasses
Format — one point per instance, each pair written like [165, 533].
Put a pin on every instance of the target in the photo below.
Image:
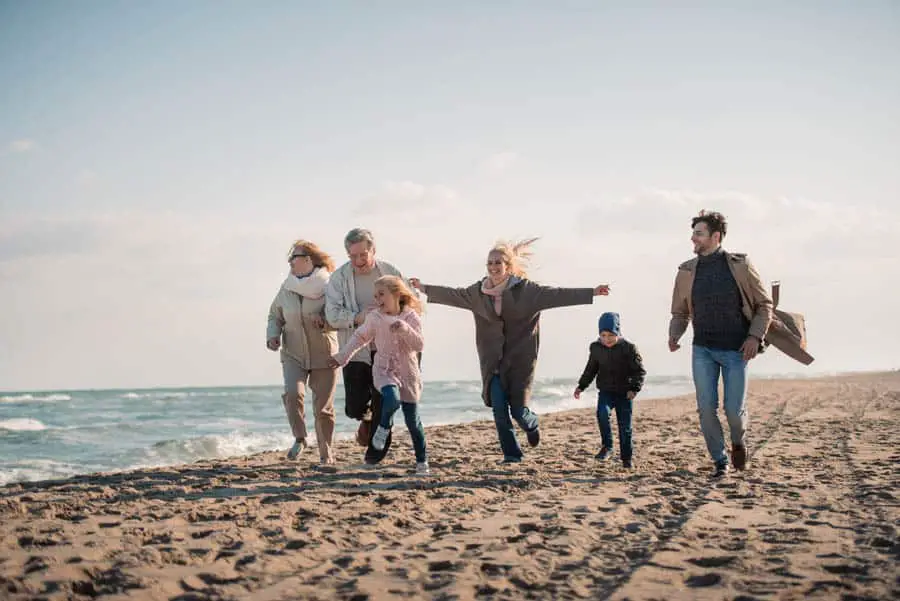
[297, 256]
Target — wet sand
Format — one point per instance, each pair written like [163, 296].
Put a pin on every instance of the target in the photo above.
[815, 516]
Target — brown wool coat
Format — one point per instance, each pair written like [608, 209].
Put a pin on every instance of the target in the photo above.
[508, 344]
[785, 331]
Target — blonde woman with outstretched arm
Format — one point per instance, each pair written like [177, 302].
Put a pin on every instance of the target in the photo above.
[507, 309]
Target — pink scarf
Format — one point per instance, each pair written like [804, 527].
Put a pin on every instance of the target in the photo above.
[495, 291]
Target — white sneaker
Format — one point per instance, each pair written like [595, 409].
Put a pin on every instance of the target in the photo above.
[422, 468]
[379, 439]
[298, 446]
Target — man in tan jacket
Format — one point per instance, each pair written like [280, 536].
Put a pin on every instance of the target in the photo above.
[722, 296]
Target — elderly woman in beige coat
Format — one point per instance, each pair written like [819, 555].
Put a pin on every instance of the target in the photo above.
[297, 328]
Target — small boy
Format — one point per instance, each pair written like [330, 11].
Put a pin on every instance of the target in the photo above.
[619, 370]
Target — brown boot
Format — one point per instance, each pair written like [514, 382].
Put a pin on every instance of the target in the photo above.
[739, 456]
[362, 433]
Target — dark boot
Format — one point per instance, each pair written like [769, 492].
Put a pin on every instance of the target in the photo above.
[739, 456]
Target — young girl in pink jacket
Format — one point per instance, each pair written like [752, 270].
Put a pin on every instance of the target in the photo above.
[396, 329]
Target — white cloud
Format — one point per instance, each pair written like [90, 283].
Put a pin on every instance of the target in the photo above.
[834, 262]
[130, 299]
[409, 194]
[766, 223]
[499, 162]
[22, 146]
[409, 203]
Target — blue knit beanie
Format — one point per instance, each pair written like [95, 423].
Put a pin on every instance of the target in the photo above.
[609, 322]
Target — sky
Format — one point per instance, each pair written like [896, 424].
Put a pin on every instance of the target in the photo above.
[158, 159]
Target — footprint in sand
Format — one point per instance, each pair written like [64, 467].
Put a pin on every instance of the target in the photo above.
[703, 580]
[784, 572]
[343, 562]
[30, 541]
[202, 534]
[526, 527]
[35, 563]
[245, 561]
[845, 569]
[438, 581]
[712, 561]
[495, 569]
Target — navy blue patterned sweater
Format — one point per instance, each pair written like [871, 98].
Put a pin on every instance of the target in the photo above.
[718, 319]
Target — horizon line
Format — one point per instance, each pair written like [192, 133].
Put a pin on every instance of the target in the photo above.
[785, 375]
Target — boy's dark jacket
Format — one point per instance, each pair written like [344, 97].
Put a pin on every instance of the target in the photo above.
[618, 369]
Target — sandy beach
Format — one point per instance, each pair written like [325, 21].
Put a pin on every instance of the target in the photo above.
[815, 516]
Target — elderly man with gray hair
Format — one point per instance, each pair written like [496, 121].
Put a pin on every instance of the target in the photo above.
[349, 297]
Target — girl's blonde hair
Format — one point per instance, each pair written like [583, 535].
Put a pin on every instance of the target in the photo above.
[318, 256]
[516, 255]
[398, 288]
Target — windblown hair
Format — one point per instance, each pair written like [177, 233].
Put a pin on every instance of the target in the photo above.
[359, 234]
[516, 255]
[398, 288]
[714, 220]
[318, 256]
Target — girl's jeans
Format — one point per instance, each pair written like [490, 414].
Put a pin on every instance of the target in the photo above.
[390, 402]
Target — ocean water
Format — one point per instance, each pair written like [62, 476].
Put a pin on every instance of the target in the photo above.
[48, 435]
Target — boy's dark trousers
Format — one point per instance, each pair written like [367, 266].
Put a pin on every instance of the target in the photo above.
[606, 402]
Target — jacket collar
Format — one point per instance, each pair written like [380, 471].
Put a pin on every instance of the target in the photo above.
[513, 282]
[691, 264]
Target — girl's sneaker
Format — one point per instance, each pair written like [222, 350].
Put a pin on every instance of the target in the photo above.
[422, 468]
[380, 438]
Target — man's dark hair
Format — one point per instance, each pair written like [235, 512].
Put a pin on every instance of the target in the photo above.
[714, 220]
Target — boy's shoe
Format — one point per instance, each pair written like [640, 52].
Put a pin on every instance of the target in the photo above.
[534, 437]
[739, 456]
[603, 454]
[511, 459]
[721, 470]
[422, 468]
[380, 438]
[298, 446]
[626, 463]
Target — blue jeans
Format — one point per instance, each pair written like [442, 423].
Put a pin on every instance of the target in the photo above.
[504, 414]
[606, 402]
[707, 365]
[390, 402]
